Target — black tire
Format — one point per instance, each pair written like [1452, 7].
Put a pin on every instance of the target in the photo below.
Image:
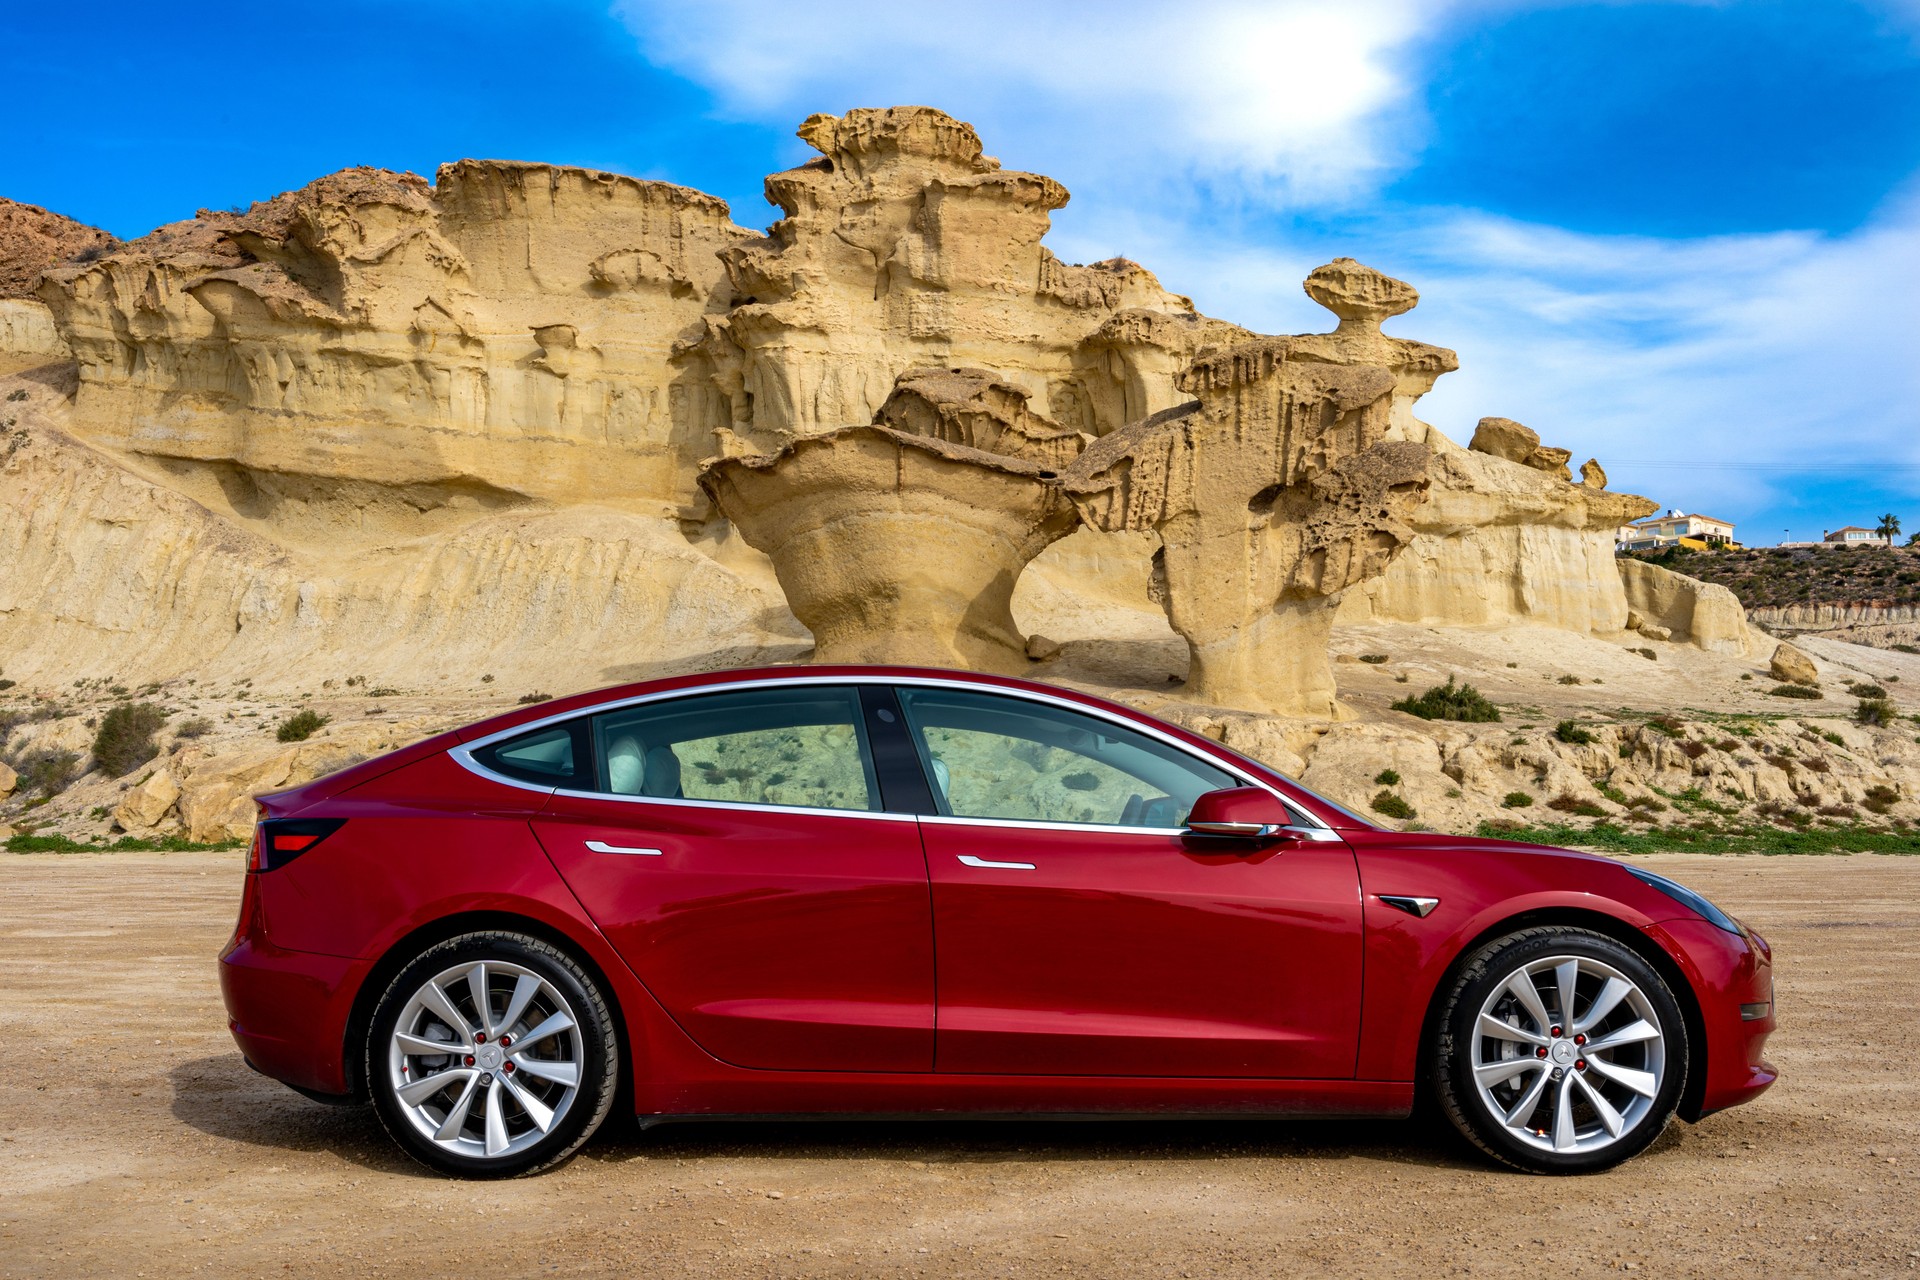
[1486, 973]
[596, 1058]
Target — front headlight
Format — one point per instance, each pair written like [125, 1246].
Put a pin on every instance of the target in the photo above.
[1688, 898]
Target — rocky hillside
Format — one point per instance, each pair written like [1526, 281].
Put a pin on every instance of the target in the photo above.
[32, 239]
[1781, 577]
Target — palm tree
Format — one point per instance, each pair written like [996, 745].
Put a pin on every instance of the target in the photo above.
[1888, 527]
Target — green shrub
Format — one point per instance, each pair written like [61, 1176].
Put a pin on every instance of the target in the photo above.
[1875, 712]
[1794, 691]
[1393, 806]
[1575, 805]
[48, 772]
[1450, 701]
[528, 699]
[1648, 654]
[1387, 778]
[1569, 679]
[300, 726]
[1568, 731]
[6, 684]
[198, 727]
[1516, 800]
[1907, 648]
[1080, 782]
[1866, 691]
[383, 691]
[1375, 658]
[124, 740]
[1833, 737]
[1880, 798]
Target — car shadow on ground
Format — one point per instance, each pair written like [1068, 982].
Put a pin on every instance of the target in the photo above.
[1015, 1141]
[224, 1098]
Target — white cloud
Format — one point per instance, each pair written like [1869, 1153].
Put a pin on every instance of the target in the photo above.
[1178, 126]
[1762, 362]
[1290, 98]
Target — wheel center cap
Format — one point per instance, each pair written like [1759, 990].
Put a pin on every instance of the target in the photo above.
[489, 1057]
[1563, 1052]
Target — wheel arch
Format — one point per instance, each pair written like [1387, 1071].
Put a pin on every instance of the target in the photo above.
[409, 946]
[1598, 922]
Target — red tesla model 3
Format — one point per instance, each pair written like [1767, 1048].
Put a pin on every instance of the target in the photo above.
[873, 891]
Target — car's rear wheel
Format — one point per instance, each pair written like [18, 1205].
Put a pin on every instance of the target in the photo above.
[492, 1054]
[1560, 1050]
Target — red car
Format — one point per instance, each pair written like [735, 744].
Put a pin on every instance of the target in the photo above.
[873, 891]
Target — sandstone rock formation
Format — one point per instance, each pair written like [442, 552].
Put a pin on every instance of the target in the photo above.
[896, 547]
[31, 241]
[1271, 496]
[1704, 614]
[904, 246]
[1792, 666]
[424, 430]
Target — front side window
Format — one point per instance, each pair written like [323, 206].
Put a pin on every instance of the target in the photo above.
[999, 757]
[801, 746]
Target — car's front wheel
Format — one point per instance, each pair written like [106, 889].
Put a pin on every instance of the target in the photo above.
[492, 1054]
[1560, 1050]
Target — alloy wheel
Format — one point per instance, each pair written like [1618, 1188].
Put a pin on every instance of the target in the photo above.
[1568, 1054]
[485, 1059]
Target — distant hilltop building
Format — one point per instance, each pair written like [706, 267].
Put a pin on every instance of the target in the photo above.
[1853, 535]
[1676, 529]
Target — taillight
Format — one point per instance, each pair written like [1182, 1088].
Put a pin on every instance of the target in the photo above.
[279, 841]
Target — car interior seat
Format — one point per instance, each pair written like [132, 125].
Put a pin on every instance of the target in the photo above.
[662, 775]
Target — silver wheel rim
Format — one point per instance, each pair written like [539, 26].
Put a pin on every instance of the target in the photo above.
[1568, 1055]
[486, 1059]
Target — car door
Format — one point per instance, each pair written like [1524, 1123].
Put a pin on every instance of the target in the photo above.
[736, 849]
[1080, 932]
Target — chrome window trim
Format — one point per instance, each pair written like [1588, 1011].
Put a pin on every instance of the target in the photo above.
[463, 754]
[682, 803]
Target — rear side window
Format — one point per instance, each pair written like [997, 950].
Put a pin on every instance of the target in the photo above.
[553, 756]
[798, 746]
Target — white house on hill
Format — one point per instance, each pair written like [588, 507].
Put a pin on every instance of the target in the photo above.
[1676, 528]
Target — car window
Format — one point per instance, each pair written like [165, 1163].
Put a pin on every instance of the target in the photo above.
[550, 756]
[998, 757]
[788, 746]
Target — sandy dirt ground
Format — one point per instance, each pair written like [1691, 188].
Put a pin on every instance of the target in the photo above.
[133, 1142]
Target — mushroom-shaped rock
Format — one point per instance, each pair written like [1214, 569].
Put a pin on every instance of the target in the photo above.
[976, 408]
[1272, 495]
[1362, 297]
[895, 547]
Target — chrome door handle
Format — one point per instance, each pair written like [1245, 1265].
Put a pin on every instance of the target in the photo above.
[601, 846]
[969, 860]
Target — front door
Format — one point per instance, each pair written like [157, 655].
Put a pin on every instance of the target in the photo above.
[1081, 933]
[736, 849]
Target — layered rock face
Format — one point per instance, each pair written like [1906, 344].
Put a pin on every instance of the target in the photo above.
[905, 246]
[413, 430]
[32, 240]
[1271, 496]
[506, 332]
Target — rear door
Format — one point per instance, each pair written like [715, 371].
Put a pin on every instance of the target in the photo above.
[737, 849]
[1082, 932]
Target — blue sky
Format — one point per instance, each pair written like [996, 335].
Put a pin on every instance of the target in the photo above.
[1681, 237]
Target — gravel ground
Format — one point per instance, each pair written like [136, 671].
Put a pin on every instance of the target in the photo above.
[134, 1142]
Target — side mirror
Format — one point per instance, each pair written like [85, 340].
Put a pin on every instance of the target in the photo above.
[1248, 812]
